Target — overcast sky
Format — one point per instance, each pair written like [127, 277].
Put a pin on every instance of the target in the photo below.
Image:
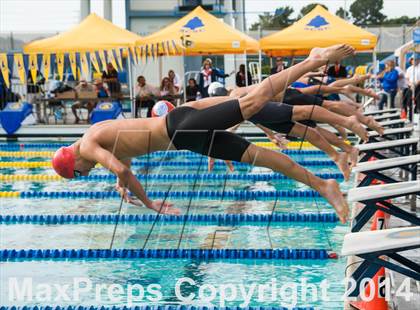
[59, 15]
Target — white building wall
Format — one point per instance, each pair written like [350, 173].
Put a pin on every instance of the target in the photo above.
[154, 5]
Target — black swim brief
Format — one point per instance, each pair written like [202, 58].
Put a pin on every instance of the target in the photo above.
[275, 116]
[293, 96]
[203, 131]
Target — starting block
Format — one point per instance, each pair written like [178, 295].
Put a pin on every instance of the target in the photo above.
[375, 246]
[391, 134]
[372, 169]
[400, 147]
[385, 116]
[395, 123]
[16, 114]
[380, 112]
[376, 198]
[106, 111]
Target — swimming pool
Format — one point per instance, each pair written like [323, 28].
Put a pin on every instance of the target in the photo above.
[228, 212]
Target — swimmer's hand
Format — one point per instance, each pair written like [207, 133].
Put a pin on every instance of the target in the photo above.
[125, 194]
[279, 140]
[227, 162]
[164, 207]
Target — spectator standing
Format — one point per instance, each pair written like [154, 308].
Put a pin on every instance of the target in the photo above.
[413, 77]
[402, 86]
[207, 76]
[192, 90]
[280, 66]
[83, 87]
[240, 77]
[389, 80]
[338, 71]
[34, 91]
[145, 94]
[110, 77]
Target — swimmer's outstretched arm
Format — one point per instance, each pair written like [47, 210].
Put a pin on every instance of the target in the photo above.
[127, 178]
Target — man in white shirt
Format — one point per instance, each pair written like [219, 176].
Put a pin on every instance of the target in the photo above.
[145, 94]
[413, 77]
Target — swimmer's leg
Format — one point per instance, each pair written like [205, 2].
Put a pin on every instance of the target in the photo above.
[319, 114]
[345, 109]
[277, 83]
[279, 162]
[352, 152]
[315, 138]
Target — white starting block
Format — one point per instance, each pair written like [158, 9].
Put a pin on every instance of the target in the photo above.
[372, 169]
[391, 134]
[372, 246]
[400, 147]
[375, 198]
[380, 112]
[385, 116]
[394, 123]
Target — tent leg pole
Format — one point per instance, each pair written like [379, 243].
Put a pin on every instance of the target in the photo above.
[130, 85]
[259, 66]
[246, 69]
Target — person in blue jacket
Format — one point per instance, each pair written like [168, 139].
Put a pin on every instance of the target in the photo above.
[389, 80]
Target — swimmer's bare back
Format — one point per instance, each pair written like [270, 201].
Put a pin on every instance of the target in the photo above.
[126, 138]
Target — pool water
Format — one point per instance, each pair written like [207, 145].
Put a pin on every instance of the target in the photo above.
[283, 278]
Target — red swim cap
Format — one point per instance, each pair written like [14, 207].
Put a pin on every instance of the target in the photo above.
[63, 162]
[161, 108]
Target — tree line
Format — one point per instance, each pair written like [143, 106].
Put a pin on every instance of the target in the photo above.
[361, 13]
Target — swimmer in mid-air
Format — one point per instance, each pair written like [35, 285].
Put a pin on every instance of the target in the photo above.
[113, 143]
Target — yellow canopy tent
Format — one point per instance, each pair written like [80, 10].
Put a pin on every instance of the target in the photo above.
[318, 28]
[92, 34]
[198, 33]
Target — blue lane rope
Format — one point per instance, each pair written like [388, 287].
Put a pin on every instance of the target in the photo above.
[195, 163]
[207, 176]
[232, 194]
[161, 307]
[31, 254]
[142, 218]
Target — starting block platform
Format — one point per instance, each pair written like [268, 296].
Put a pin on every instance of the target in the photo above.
[385, 116]
[391, 134]
[372, 169]
[402, 147]
[376, 198]
[376, 246]
[381, 111]
[395, 123]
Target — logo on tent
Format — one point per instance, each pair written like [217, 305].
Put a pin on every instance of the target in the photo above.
[317, 23]
[194, 24]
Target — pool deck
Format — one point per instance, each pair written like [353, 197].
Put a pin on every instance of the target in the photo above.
[397, 302]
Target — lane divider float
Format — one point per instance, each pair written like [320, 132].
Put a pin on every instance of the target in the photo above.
[77, 254]
[206, 194]
[145, 218]
[166, 177]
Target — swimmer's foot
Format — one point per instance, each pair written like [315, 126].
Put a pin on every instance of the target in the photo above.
[342, 132]
[342, 162]
[355, 126]
[353, 156]
[372, 124]
[331, 191]
[373, 94]
[331, 54]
